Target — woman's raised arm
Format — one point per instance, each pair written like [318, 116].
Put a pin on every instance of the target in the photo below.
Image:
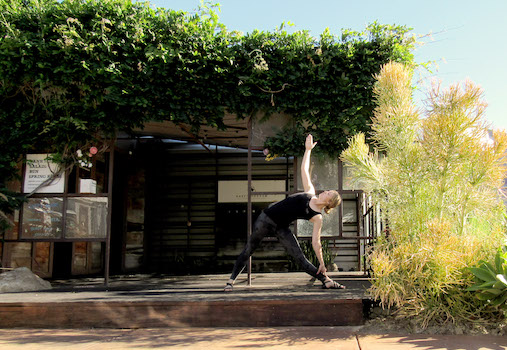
[305, 165]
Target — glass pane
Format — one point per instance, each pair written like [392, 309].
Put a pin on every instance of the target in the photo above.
[348, 179]
[86, 179]
[42, 255]
[324, 174]
[330, 225]
[100, 172]
[349, 211]
[12, 231]
[93, 180]
[86, 217]
[14, 185]
[42, 218]
[96, 256]
[18, 254]
[79, 258]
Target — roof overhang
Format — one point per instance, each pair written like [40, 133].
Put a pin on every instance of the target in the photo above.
[235, 133]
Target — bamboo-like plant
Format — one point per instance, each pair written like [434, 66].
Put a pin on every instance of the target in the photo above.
[437, 179]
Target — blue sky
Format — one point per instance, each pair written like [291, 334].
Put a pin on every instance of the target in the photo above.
[468, 36]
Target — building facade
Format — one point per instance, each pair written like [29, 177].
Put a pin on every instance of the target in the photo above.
[165, 202]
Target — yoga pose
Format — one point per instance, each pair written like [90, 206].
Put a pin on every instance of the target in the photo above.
[277, 218]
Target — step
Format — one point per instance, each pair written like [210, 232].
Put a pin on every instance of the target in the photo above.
[273, 299]
[135, 314]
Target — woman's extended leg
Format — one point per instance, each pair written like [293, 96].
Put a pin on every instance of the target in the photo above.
[263, 225]
[291, 244]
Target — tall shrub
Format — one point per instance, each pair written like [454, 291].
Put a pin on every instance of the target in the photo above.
[437, 180]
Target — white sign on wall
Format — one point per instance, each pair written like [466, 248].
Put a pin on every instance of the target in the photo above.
[87, 186]
[236, 191]
[38, 170]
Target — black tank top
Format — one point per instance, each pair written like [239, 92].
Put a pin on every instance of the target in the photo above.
[295, 206]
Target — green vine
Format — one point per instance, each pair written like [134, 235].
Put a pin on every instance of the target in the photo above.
[74, 73]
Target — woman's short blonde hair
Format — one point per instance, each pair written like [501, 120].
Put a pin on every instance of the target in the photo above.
[333, 203]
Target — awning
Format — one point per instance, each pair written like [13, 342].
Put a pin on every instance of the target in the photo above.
[235, 134]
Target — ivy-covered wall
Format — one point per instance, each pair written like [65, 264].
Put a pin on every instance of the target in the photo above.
[75, 72]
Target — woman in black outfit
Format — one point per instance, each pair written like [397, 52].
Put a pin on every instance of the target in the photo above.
[277, 218]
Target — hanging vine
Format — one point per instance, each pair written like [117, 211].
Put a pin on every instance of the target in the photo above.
[74, 73]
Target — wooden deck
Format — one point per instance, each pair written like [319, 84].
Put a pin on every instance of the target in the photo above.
[143, 301]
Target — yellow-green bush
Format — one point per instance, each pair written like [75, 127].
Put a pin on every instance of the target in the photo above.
[437, 181]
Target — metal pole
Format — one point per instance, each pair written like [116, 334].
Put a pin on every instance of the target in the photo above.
[109, 212]
[295, 188]
[249, 205]
[359, 220]
[340, 190]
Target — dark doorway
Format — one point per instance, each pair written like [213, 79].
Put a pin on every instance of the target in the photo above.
[62, 260]
[119, 214]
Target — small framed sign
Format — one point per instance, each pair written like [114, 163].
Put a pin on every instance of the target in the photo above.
[236, 191]
[40, 169]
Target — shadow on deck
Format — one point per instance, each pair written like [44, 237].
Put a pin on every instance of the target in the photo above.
[146, 301]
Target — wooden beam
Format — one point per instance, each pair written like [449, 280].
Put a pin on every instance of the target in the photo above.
[194, 137]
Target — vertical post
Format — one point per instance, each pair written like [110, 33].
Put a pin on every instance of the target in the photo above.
[340, 175]
[340, 190]
[20, 217]
[360, 215]
[109, 211]
[216, 201]
[359, 219]
[249, 205]
[65, 197]
[295, 187]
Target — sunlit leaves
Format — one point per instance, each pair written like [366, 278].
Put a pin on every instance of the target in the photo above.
[74, 72]
[438, 189]
[491, 282]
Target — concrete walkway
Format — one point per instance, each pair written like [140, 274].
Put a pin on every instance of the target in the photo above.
[139, 288]
[314, 338]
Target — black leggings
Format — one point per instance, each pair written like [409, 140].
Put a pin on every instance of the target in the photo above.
[262, 227]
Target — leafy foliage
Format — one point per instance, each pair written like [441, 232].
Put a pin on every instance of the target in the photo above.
[437, 181]
[491, 280]
[74, 73]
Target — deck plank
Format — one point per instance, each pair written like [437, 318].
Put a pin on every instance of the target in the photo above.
[143, 301]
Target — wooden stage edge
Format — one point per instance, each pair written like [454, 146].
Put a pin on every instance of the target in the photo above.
[265, 313]
[189, 301]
